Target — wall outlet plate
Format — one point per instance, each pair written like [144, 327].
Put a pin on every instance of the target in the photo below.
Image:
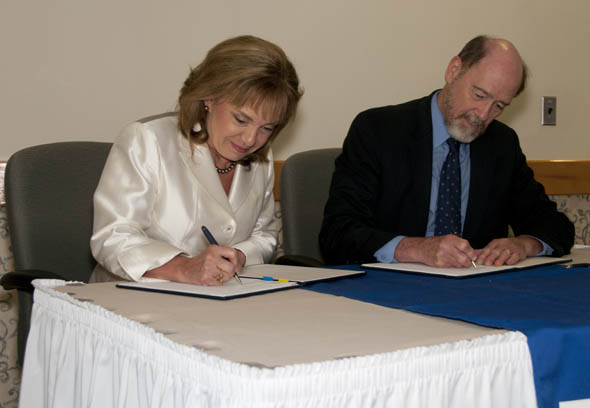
[2, 171]
[549, 110]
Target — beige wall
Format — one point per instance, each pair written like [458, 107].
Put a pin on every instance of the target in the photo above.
[80, 70]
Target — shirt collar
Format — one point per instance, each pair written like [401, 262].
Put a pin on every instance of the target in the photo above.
[439, 130]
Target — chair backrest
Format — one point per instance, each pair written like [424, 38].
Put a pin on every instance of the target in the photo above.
[305, 183]
[49, 190]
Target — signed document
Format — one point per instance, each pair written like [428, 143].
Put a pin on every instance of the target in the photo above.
[465, 272]
[229, 290]
[256, 280]
[299, 274]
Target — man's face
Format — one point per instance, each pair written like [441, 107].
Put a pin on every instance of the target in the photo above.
[474, 97]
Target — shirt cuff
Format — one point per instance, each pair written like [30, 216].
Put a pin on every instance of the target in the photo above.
[546, 251]
[386, 253]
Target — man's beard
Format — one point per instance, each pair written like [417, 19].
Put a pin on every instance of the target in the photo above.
[462, 132]
[456, 127]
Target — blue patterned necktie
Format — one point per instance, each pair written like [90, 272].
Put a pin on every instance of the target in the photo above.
[448, 205]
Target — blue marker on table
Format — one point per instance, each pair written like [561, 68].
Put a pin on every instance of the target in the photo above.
[213, 241]
[270, 278]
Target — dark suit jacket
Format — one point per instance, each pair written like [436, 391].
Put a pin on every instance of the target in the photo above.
[381, 187]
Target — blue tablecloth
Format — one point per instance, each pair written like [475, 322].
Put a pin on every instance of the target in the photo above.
[550, 305]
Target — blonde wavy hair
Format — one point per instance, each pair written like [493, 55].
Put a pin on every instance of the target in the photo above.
[244, 71]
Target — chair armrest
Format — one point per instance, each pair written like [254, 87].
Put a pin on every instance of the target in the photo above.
[21, 280]
[298, 260]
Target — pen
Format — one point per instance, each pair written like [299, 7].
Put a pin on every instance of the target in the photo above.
[473, 263]
[213, 241]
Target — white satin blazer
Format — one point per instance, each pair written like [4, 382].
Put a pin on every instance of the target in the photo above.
[154, 196]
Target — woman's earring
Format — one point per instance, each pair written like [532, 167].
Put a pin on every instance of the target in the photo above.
[206, 108]
[197, 127]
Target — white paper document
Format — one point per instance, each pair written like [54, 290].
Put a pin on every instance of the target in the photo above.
[299, 274]
[256, 279]
[229, 290]
[464, 272]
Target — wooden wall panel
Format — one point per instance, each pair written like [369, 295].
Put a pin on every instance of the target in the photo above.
[563, 176]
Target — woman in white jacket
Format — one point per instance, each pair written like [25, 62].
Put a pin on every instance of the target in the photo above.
[209, 164]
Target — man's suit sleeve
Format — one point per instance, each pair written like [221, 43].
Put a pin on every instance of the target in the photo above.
[350, 232]
[533, 213]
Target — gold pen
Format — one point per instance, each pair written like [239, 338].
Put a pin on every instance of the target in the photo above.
[473, 263]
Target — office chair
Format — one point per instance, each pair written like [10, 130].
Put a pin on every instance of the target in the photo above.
[305, 183]
[49, 190]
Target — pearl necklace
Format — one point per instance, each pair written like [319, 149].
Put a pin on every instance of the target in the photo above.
[227, 169]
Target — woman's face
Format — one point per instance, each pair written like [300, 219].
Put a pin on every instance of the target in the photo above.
[235, 132]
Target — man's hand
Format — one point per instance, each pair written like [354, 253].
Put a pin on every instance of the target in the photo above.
[508, 251]
[447, 251]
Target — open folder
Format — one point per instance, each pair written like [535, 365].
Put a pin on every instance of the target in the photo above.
[465, 272]
[256, 279]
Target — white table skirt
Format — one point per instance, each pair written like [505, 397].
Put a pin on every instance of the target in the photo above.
[81, 355]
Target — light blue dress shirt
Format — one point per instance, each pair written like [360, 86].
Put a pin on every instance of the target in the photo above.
[440, 149]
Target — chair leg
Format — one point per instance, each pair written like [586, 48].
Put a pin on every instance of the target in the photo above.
[25, 304]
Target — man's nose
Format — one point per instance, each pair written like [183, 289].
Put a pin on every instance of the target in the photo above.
[483, 110]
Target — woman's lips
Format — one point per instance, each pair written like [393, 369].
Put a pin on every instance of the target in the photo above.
[240, 149]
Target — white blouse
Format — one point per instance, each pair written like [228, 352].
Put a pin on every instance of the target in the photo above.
[154, 196]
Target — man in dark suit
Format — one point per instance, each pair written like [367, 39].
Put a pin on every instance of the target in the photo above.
[386, 200]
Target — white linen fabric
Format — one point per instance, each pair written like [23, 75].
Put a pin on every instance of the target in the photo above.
[155, 194]
[82, 355]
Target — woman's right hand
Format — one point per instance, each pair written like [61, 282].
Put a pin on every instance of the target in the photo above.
[212, 267]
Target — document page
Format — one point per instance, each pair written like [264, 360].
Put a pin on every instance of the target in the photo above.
[464, 272]
[229, 290]
[299, 274]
